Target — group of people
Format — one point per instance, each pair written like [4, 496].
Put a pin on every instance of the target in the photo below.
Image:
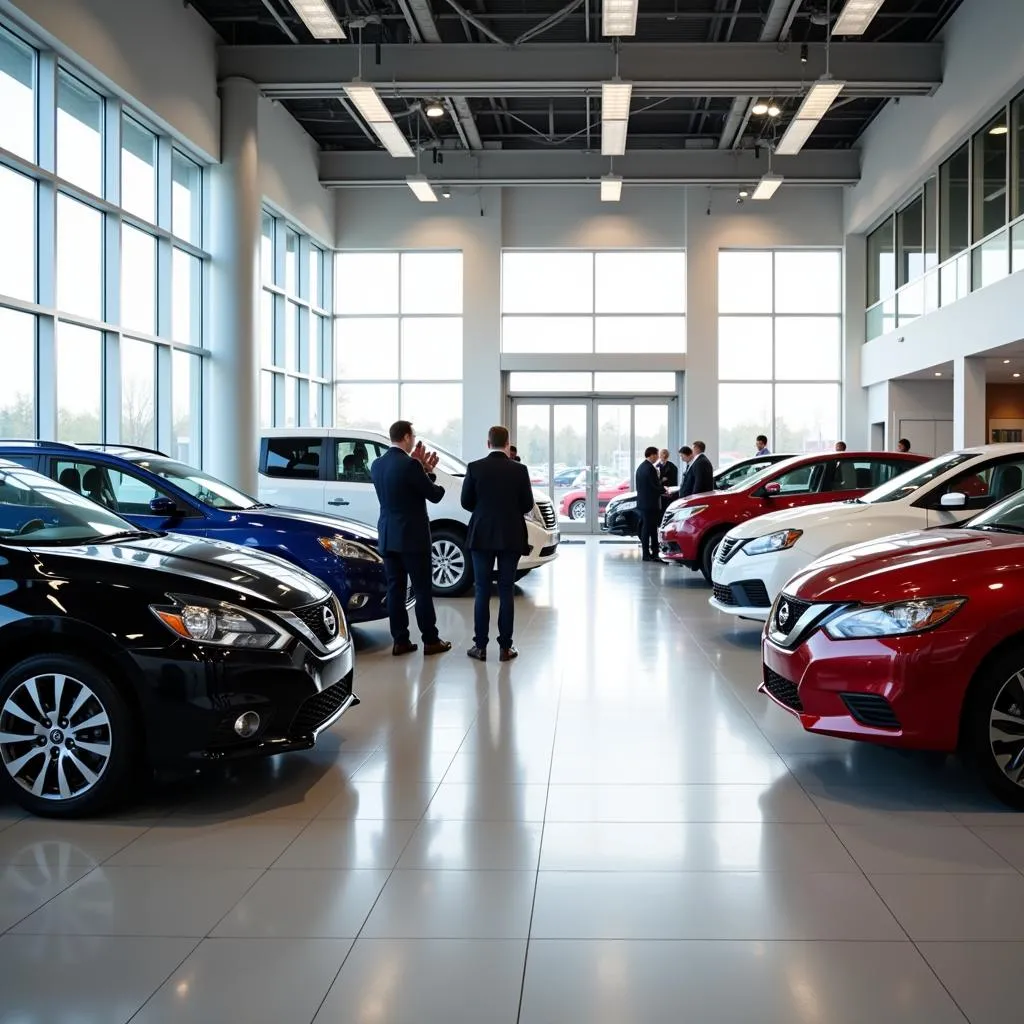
[658, 482]
[761, 445]
[496, 492]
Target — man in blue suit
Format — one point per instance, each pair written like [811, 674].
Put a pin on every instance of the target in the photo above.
[497, 492]
[404, 481]
[649, 492]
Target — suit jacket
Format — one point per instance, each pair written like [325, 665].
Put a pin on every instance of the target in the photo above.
[403, 490]
[669, 474]
[497, 491]
[648, 488]
[700, 477]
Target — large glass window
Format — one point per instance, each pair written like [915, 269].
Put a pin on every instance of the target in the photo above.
[779, 349]
[398, 342]
[18, 246]
[955, 203]
[79, 384]
[910, 241]
[79, 133]
[138, 393]
[138, 280]
[79, 258]
[990, 205]
[17, 96]
[17, 382]
[186, 198]
[881, 262]
[138, 169]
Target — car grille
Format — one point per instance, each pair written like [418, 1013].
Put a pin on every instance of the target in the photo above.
[726, 548]
[871, 709]
[312, 617]
[782, 690]
[795, 609]
[318, 709]
[746, 594]
[723, 594]
[547, 513]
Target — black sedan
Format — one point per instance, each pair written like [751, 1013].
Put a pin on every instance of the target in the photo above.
[121, 647]
[620, 515]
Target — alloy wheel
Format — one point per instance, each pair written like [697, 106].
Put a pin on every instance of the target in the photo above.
[448, 562]
[55, 737]
[578, 511]
[1006, 728]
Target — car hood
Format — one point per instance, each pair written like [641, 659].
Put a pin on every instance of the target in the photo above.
[919, 563]
[193, 566]
[712, 498]
[834, 513]
[279, 517]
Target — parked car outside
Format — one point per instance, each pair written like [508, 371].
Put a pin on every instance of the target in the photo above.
[914, 640]
[574, 503]
[622, 519]
[121, 647]
[328, 470]
[157, 493]
[758, 557]
[693, 527]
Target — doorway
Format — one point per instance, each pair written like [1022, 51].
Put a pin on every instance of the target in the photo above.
[583, 452]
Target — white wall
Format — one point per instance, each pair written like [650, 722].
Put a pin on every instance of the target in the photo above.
[984, 66]
[157, 53]
[290, 174]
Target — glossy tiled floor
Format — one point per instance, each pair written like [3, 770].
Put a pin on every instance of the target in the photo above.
[616, 828]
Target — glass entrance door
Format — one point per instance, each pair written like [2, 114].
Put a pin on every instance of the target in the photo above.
[583, 452]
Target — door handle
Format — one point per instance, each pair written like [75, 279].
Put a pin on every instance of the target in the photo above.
[339, 501]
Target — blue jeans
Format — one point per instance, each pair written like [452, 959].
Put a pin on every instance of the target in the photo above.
[483, 568]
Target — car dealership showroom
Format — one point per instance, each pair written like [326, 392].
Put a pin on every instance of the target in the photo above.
[511, 511]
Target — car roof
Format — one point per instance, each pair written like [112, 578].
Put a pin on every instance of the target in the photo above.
[361, 435]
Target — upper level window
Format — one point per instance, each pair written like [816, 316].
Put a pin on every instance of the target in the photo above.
[17, 96]
[79, 133]
[881, 262]
[990, 148]
[138, 169]
[955, 203]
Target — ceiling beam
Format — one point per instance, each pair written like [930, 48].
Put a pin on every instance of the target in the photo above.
[496, 167]
[553, 69]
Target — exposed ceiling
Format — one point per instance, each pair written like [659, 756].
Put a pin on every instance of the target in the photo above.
[572, 122]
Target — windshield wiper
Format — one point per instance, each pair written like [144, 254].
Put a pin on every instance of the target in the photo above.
[124, 534]
[996, 527]
[855, 501]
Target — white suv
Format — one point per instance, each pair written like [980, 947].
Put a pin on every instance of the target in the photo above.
[328, 470]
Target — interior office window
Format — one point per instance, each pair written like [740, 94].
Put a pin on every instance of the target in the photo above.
[186, 400]
[910, 241]
[186, 297]
[17, 382]
[955, 203]
[366, 283]
[79, 384]
[990, 198]
[138, 169]
[17, 96]
[547, 282]
[138, 280]
[186, 198]
[79, 258]
[881, 262]
[138, 393]
[79, 133]
[18, 248]
[931, 223]
[745, 282]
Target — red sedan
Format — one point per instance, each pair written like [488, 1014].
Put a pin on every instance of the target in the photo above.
[694, 527]
[916, 641]
[574, 502]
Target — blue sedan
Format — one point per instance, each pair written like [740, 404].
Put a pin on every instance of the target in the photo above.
[158, 493]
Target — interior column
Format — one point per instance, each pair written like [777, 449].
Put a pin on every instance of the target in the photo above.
[969, 381]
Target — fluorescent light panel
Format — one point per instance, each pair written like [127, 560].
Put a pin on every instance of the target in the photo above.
[318, 17]
[855, 17]
[611, 188]
[613, 137]
[367, 101]
[814, 107]
[615, 99]
[421, 188]
[618, 17]
[767, 186]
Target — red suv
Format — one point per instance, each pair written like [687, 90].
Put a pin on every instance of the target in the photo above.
[915, 640]
[693, 527]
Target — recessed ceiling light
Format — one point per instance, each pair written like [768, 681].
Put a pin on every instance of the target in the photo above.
[744, 193]
[1016, 375]
[999, 129]
[434, 109]
[938, 373]
[1005, 361]
[773, 111]
[760, 109]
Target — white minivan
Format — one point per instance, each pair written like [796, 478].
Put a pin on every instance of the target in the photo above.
[328, 470]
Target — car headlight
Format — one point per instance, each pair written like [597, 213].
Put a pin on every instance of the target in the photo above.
[782, 540]
[680, 514]
[222, 624]
[899, 619]
[349, 549]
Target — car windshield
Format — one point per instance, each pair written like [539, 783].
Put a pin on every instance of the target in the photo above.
[35, 510]
[907, 483]
[1006, 516]
[446, 462]
[759, 476]
[207, 489]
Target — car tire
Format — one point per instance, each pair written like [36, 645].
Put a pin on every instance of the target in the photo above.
[578, 510]
[86, 755]
[451, 566]
[707, 552]
[996, 694]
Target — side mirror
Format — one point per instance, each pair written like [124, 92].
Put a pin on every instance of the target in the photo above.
[772, 490]
[954, 499]
[165, 507]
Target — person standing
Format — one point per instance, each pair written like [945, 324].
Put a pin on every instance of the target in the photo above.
[840, 446]
[513, 453]
[761, 445]
[668, 471]
[404, 480]
[497, 491]
[700, 477]
[649, 492]
[903, 445]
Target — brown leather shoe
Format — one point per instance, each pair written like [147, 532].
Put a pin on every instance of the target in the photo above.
[440, 647]
[508, 653]
[407, 648]
[477, 653]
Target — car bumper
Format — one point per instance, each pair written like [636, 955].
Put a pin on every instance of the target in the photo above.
[902, 691]
[193, 699]
[543, 546]
[621, 524]
[678, 545]
[747, 585]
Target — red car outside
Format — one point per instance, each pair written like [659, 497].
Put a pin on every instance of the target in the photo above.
[574, 502]
[693, 527]
[916, 641]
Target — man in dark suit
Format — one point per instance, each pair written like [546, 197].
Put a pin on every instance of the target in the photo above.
[669, 473]
[404, 480]
[700, 477]
[497, 491]
[649, 493]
